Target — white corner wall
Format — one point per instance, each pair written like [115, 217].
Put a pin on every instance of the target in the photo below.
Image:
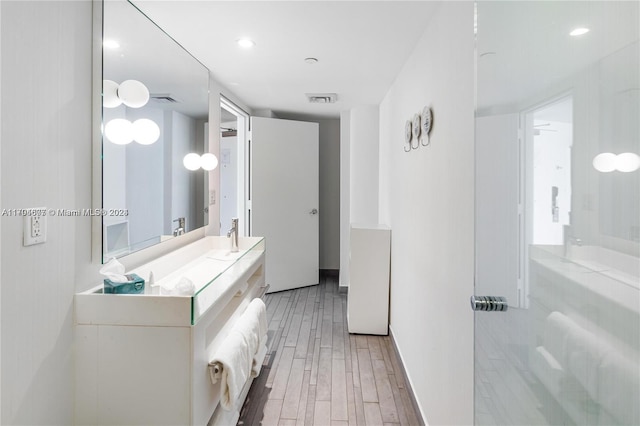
[359, 178]
[46, 161]
[364, 151]
[0, 221]
[427, 196]
[345, 196]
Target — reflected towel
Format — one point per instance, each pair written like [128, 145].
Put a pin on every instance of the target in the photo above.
[557, 326]
[235, 357]
[619, 387]
[584, 351]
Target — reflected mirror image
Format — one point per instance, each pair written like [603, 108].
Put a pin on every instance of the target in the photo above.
[155, 117]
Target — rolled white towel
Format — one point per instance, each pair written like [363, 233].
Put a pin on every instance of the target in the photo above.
[236, 361]
[619, 387]
[584, 351]
[256, 365]
[258, 309]
[253, 325]
[557, 326]
[247, 325]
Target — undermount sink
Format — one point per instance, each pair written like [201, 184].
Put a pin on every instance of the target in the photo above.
[225, 255]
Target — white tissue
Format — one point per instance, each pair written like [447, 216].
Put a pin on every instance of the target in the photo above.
[114, 270]
[184, 287]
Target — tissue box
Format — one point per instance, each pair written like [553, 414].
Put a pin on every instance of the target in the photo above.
[135, 285]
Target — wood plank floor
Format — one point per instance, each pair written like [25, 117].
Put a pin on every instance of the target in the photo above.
[316, 373]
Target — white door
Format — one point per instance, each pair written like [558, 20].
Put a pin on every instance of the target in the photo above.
[284, 199]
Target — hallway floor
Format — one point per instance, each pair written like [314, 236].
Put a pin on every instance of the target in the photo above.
[316, 373]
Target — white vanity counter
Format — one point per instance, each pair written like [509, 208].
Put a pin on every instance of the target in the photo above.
[143, 358]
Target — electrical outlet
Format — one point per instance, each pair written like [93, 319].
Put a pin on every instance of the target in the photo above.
[212, 197]
[35, 227]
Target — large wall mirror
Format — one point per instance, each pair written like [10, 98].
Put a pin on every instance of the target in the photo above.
[148, 193]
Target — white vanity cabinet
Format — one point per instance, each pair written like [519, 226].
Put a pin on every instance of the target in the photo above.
[143, 359]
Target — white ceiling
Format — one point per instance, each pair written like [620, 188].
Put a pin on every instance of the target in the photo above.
[360, 46]
[523, 47]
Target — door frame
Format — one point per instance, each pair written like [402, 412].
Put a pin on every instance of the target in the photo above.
[244, 170]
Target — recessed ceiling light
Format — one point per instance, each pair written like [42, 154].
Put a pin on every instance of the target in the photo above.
[111, 44]
[311, 60]
[245, 43]
[579, 31]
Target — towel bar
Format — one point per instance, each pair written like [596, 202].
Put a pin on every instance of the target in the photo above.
[215, 371]
[263, 290]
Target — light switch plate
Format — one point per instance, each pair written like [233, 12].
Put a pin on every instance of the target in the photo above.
[34, 226]
[212, 197]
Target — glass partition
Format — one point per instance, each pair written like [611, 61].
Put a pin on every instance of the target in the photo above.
[558, 212]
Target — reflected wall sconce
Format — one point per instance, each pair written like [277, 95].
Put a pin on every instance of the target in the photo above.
[607, 162]
[131, 93]
[206, 161]
[121, 131]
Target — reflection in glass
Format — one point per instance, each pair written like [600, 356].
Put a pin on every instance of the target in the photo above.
[233, 173]
[558, 212]
[155, 99]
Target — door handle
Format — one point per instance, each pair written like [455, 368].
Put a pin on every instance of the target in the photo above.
[489, 303]
[314, 211]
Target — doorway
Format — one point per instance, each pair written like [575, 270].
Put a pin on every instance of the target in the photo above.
[233, 167]
[549, 136]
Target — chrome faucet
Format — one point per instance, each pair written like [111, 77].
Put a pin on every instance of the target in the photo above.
[180, 229]
[569, 239]
[233, 234]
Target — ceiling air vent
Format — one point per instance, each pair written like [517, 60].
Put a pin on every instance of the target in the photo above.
[163, 98]
[322, 98]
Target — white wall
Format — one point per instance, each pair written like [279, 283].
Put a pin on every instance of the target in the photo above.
[345, 196]
[183, 182]
[428, 202]
[0, 221]
[364, 154]
[114, 158]
[144, 189]
[46, 161]
[359, 178]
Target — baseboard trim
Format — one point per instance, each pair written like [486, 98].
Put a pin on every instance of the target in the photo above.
[334, 273]
[407, 380]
